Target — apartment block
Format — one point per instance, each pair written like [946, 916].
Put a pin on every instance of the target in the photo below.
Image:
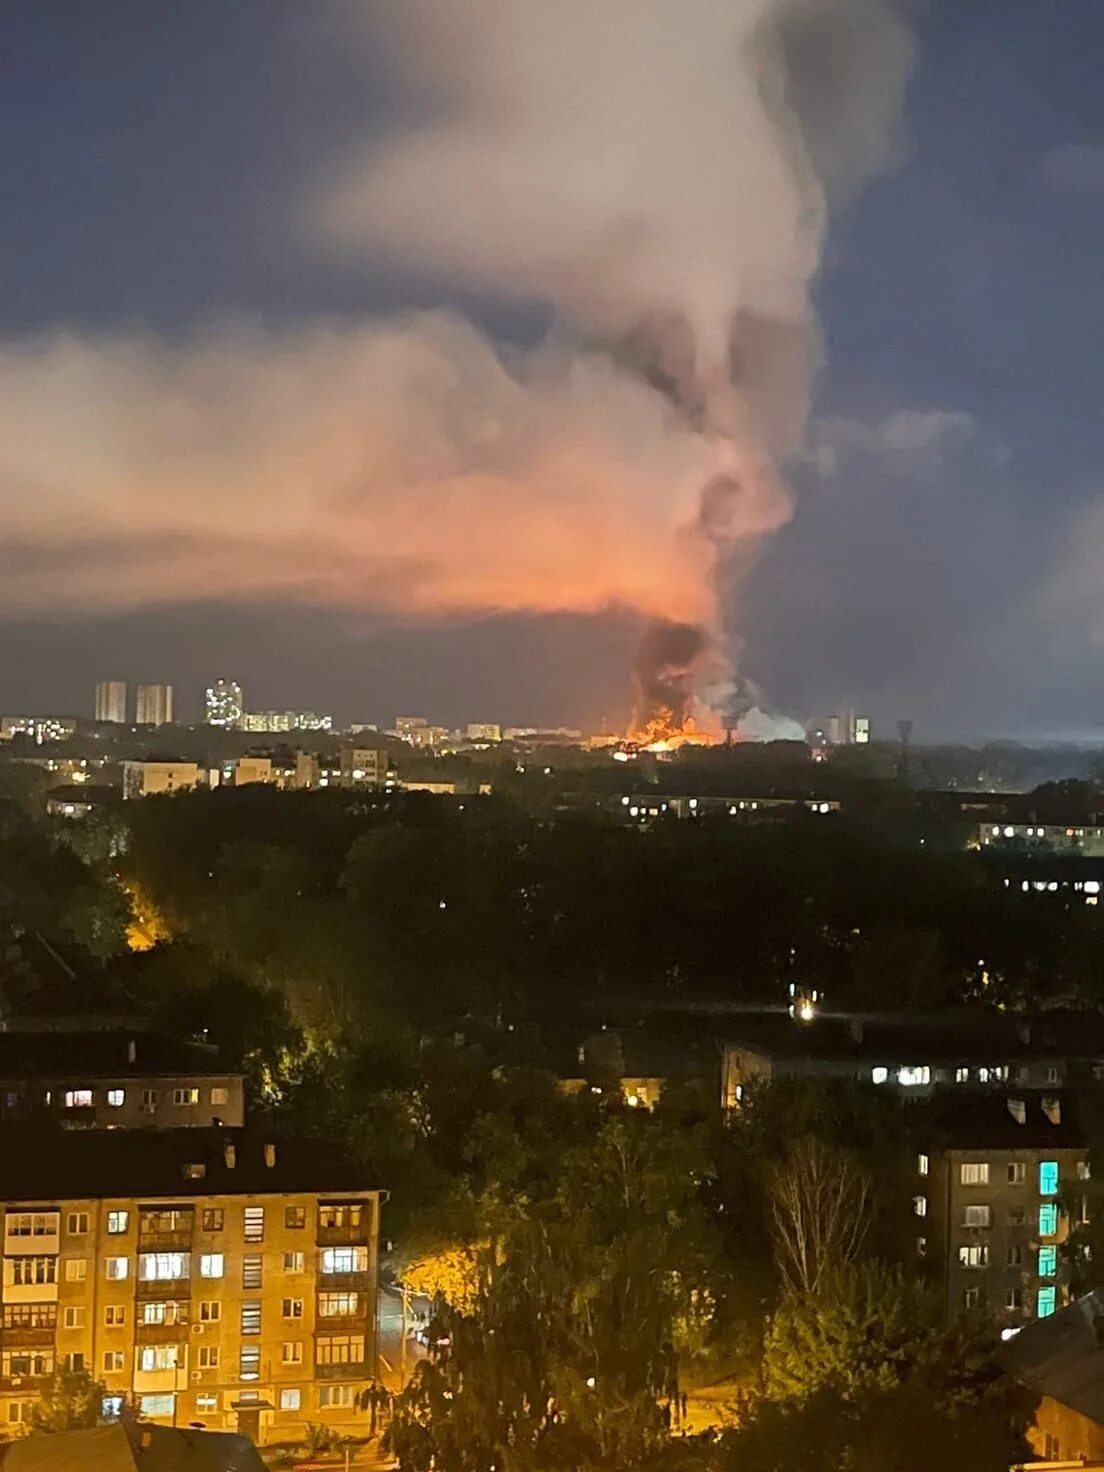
[144, 779]
[117, 1079]
[211, 1277]
[995, 1179]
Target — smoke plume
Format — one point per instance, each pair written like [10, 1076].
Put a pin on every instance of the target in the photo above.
[658, 174]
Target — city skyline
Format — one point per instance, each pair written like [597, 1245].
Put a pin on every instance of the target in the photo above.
[928, 548]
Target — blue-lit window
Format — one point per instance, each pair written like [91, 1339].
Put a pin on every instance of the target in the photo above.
[1048, 1262]
[1048, 1220]
[1045, 1302]
[1048, 1177]
[162, 1405]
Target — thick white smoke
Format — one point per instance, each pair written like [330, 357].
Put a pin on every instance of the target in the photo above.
[657, 171]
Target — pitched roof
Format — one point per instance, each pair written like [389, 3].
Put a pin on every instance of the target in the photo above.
[1063, 1357]
[44, 1163]
[120, 1448]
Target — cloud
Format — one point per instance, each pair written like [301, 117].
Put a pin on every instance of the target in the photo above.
[1074, 168]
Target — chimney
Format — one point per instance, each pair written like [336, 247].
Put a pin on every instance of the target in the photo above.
[270, 1156]
[1018, 1110]
[855, 1028]
[1052, 1108]
[230, 1154]
[132, 1050]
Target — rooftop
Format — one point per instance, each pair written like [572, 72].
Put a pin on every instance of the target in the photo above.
[959, 1035]
[99, 1053]
[1063, 1357]
[51, 1164]
[1051, 1119]
[127, 1447]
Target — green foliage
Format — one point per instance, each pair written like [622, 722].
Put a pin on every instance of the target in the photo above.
[71, 1401]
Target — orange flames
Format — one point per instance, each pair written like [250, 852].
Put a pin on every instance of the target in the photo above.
[663, 732]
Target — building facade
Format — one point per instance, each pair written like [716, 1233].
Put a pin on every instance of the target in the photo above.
[364, 766]
[154, 705]
[994, 1183]
[117, 1079]
[111, 701]
[215, 1278]
[144, 779]
[223, 704]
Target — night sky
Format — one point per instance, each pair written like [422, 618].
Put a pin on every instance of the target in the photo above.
[943, 560]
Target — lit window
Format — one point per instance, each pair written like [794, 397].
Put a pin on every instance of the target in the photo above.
[76, 1223]
[292, 1308]
[921, 1247]
[345, 1259]
[78, 1098]
[290, 1399]
[76, 1269]
[1045, 1301]
[114, 1360]
[1048, 1219]
[212, 1218]
[295, 1216]
[976, 1255]
[250, 1364]
[920, 1205]
[975, 1216]
[879, 1075]
[254, 1224]
[156, 1406]
[337, 1305]
[962, 1075]
[1048, 1177]
[117, 1222]
[185, 1096]
[116, 1268]
[27, 1271]
[974, 1173]
[251, 1317]
[157, 1267]
[158, 1357]
[220, 1096]
[1048, 1262]
[923, 1164]
[116, 1098]
[206, 1402]
[335, 1395]
[339, 1349]
[1017, 1173]
[210, 1265]
[252, 1271]
[291, 1352]
[909, 1077]
[293, 1262]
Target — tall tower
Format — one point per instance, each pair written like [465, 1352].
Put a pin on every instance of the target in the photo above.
[111, 701]
[154, 705]
[224, 704]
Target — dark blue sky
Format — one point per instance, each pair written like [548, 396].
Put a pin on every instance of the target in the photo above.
[154, 158]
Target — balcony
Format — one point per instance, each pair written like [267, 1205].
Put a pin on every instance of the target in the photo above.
[341, 1323]
[353, 1370]
[35, 1383]
[345, 1236]
[161, 1333]
[25, 1336]
[344, 1282]
[179, 1240]
[160, 1288]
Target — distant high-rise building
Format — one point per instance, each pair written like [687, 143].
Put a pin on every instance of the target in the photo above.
[111, 701]
[484, 731]
[154, 705]
[285, 720]
[224, 704]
